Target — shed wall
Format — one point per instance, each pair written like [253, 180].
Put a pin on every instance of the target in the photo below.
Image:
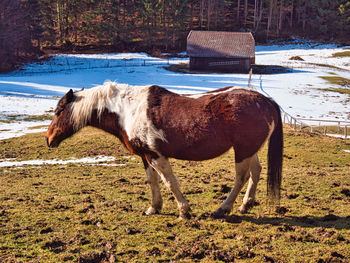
[224, 64]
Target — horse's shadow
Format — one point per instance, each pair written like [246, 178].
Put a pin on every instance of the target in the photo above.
[328, 221]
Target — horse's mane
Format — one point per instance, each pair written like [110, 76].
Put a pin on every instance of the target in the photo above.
[97, 98]
[129, 102]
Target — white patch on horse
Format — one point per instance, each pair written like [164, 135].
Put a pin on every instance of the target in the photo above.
[131, 105]
[196, 96]
[271, 128]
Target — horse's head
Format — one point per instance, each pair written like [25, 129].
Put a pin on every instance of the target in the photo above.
[61, 126]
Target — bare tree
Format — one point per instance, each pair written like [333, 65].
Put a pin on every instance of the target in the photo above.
[269, 20]
[245, 12]
[238, 10]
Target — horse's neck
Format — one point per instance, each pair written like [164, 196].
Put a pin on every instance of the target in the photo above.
[107, 121]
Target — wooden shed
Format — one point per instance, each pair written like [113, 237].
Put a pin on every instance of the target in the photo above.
[216, 50]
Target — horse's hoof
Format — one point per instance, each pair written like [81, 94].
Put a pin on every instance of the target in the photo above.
[242, 209]
[220, 213]
[186, 215]
[185, 212]
[151, 211]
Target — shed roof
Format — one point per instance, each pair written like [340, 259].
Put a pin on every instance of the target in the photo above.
[220, 44]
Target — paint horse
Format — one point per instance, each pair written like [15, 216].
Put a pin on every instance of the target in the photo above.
[157, 124]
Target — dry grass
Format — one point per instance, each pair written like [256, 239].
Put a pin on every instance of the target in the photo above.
[336, 80]
[82, 213]
[341, 54]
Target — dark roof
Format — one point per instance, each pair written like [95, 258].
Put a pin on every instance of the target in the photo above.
[220, 44]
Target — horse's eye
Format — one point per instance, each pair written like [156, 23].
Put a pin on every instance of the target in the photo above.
[59, 112]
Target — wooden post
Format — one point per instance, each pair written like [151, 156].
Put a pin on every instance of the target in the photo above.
[325, 130]
[338, 126]
[345, 132]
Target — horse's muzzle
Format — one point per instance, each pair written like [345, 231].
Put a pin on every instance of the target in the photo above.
[50, 143]
[47, 141]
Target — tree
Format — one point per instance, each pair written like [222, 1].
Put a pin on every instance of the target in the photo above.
[344, 11]
[18, 30]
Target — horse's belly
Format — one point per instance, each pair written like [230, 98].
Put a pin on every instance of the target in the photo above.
[198, 152]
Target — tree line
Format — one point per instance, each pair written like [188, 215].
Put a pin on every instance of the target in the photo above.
[27, 27]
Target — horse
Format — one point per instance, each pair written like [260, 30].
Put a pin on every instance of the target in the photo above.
[157, 124]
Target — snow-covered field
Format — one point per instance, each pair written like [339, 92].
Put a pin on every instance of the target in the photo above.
[35, 89]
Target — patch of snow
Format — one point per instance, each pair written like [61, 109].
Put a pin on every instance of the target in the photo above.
[347, 151]
[336, 135]
[87, 160]
[23, 105]
[16, 129]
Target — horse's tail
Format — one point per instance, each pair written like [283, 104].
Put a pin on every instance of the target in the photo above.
[275, 156]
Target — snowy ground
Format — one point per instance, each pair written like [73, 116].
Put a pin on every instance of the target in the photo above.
[98, 160]
[35, 89]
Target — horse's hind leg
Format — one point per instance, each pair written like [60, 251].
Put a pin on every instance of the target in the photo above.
[162, 166]
[249, 197]
[153, 180]
[242, 176]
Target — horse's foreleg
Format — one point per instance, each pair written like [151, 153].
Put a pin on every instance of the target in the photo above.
[162, 166]
[249, 197]
[242, 176]
[153, 180]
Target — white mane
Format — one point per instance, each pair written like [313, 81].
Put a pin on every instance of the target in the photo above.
[88, 100]
[130, 103]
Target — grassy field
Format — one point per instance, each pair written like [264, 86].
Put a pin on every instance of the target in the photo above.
[84, 213]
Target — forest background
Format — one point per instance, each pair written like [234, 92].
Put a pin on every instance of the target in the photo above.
[31, 28]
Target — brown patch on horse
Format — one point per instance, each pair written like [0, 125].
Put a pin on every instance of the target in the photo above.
[206, 127]
[111, 125]
[126, 142]
[61, 127]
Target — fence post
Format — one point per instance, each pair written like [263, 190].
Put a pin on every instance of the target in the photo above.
[345, 132]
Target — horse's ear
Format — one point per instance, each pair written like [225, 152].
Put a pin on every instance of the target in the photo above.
[69, 96]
